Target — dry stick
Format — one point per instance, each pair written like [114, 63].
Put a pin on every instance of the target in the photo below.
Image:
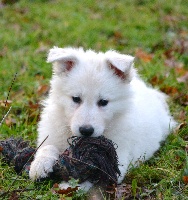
[10, 88]
[8, 97]
[5, 116]
[23, 168]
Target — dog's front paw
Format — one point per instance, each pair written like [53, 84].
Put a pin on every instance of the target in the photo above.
[41, 167]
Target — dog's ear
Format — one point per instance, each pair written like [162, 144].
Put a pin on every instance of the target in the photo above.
[121, 64]
[63, 59]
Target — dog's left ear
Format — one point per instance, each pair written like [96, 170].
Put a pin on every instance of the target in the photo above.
[121, 64]
[63, 59]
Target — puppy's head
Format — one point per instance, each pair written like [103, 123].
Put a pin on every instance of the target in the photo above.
[92, 89]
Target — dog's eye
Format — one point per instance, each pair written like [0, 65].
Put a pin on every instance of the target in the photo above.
[102, 102]
[77, 99]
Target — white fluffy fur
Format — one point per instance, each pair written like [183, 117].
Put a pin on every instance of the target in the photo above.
[136, 118]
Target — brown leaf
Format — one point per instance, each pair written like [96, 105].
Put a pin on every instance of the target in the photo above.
[124, 191]
[34, 106]
[144, 56]
[170, 90]
[180, 71]
[68, 192]
[183, 79]
[173, 63]
[155, 80]
[179, 127]
[14, 196]
[118, 35]
[169, 53]
[185, 179]
[39, 77]
[43, 89]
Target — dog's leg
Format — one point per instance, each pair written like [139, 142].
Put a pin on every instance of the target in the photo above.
[43, 163]
[123, 172]
[123, 166]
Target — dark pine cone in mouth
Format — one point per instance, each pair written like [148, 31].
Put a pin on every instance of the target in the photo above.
[87, 158]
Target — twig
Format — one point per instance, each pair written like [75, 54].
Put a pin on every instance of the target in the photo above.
[5, 116]
[10, 88]
[23, 168]
[14, 179]
[8, 97]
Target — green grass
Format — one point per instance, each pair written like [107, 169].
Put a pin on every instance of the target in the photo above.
[28, 29]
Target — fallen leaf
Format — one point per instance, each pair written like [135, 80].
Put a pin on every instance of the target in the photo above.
[39, 77]
[155, 80]
[183, 79]
[34, 106]
[169, 53]
[180, 71]
[118, 35]
[179, 127]
[43, 89]
[185, 179]
[173, 63]
[68, 192]
[144, 56]
[170, 90]
[14, 196]
[122, 191]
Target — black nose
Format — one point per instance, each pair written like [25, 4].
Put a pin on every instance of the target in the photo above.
[86, 130]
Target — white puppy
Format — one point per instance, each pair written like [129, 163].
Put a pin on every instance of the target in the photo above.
[95, 94]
